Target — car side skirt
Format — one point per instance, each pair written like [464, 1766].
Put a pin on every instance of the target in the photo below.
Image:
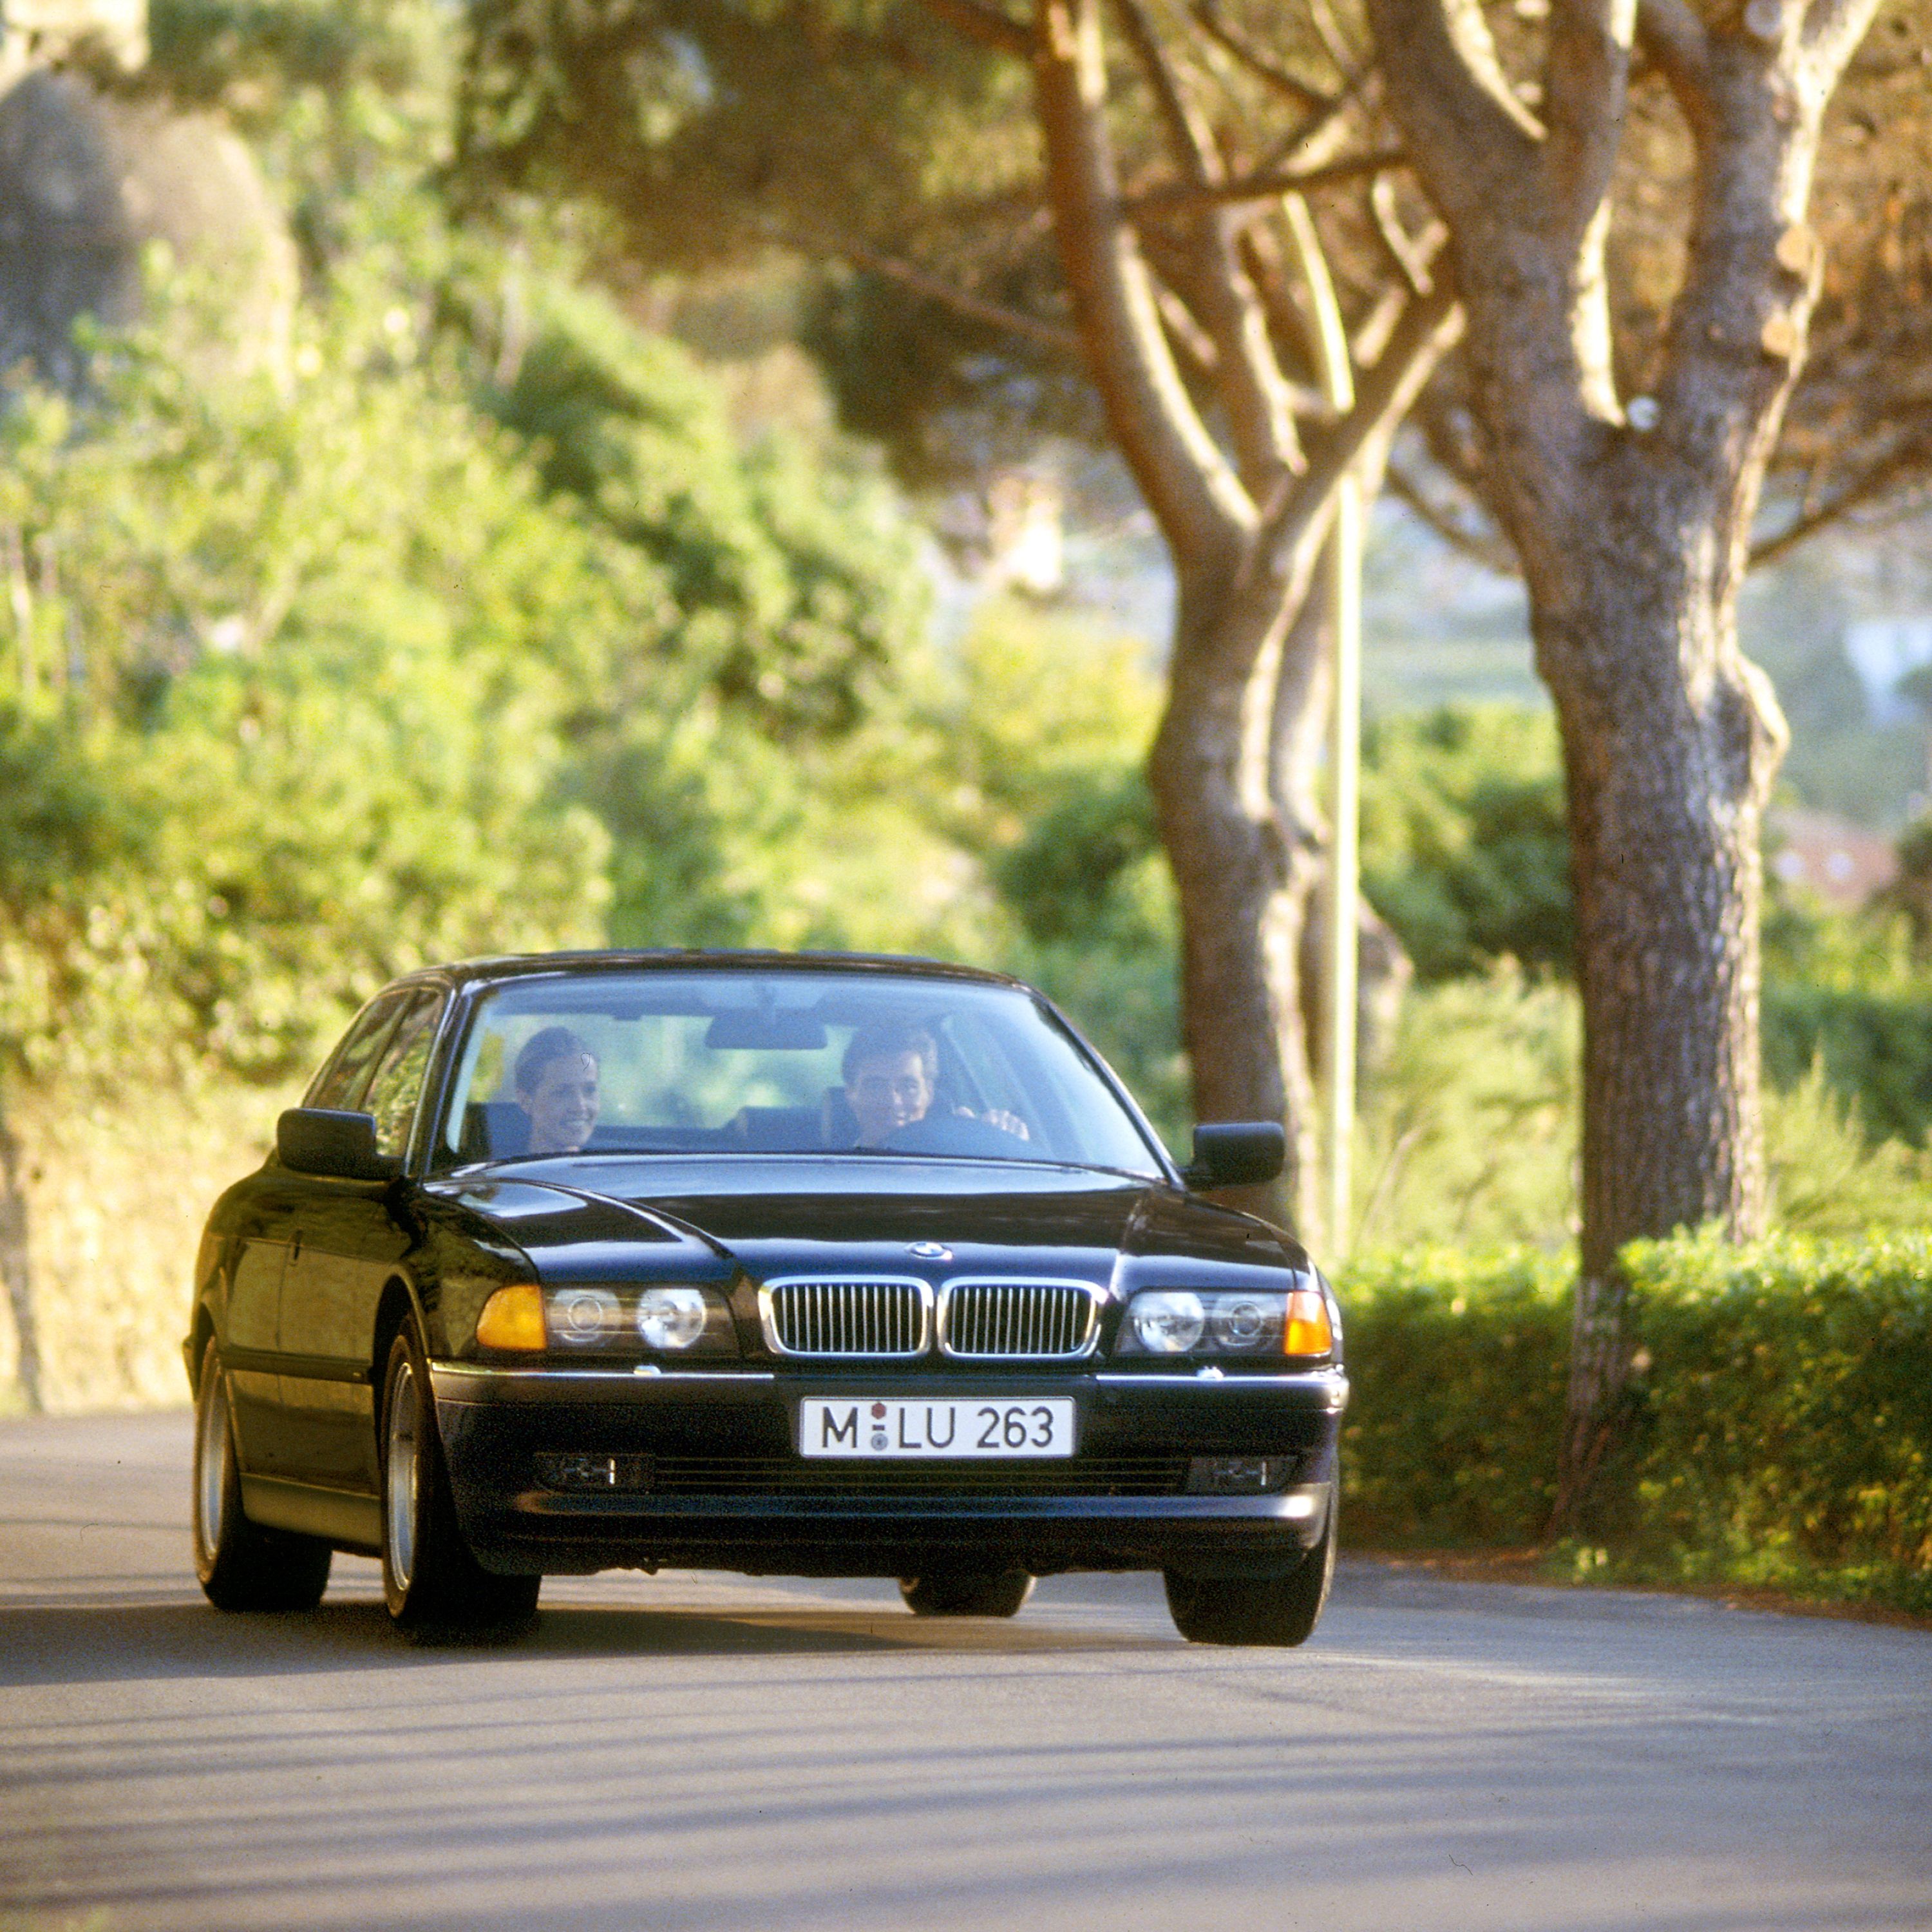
[345, 1519]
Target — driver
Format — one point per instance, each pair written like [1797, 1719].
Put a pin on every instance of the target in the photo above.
[891, 1075]
[556, 1084]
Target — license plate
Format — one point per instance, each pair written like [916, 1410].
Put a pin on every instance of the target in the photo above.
[891, 1428]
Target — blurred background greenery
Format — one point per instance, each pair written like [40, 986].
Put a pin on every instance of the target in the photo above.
[494, 601]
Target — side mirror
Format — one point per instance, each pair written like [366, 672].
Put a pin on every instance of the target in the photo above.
[320, 1140]
[1236, 1153]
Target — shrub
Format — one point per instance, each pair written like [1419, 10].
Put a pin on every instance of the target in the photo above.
[1459, 1366]
[1786, 1416]
[1779, 1420]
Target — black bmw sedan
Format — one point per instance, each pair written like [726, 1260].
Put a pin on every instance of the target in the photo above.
[818, 1265]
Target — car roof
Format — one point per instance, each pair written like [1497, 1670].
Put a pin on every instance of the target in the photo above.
[507, 967]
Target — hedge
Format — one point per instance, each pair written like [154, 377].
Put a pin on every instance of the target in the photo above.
[1780, 1412]
[1876, 1048]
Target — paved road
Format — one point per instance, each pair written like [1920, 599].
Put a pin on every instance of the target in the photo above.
[689, 1751]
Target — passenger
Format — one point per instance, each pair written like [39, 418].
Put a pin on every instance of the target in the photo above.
[891, 1076]
[556, 1083]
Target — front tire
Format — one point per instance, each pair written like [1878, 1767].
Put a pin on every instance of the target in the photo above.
[1280, 1611]
[967, 1593]
[240, 1565]
[432, 1584]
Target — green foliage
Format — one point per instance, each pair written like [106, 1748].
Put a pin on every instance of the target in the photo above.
[1778, 1428]
[1874, 1045]
[1786, 1415]
[299, 732]
[790, 577]
[1046, 726]
[1469, 1132]
[1466, 850]
[1457, 1366]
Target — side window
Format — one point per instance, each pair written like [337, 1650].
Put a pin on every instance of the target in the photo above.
[393, 1093]
[343, 1079]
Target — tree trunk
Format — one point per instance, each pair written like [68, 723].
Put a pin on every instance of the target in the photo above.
[1672, 738]
[1244, 871]
[1633, 529]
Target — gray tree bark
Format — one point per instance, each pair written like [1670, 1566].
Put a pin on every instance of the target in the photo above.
[1232, 768]
[1633, 533]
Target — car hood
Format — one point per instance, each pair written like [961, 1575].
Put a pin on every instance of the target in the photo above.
[578, 1218]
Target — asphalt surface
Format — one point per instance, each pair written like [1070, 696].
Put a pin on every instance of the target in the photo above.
[690, 1750]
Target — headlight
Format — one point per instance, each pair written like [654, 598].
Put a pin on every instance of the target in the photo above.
[1243, 1323]
[581, 1316]
[1164, 1324]
[589, 1319]
[672, 1318]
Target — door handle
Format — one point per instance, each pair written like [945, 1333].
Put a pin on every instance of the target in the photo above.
[294, 1247]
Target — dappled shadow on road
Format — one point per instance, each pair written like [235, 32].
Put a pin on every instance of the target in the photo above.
[68, 1643]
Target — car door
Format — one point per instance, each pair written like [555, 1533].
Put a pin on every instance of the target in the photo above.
[351, 1238]
[250, 1339]
[267, 1226]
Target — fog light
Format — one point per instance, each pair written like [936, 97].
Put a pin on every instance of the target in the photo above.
[576, 1471]
[1239, 1475]
[671, 1318]
[1168, 1323]
[513, 1318]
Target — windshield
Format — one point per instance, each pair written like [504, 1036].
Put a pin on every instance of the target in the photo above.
[779, 1062]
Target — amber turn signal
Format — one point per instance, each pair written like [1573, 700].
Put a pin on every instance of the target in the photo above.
[513, 1318]
[1307, 1331]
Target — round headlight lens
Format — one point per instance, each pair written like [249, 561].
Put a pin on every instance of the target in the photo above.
[670, 1318]
[585, 1314]
[1241, 1323]
[1168, 1323]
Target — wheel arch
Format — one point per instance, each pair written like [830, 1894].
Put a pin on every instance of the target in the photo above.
[200, 1339]
[398, 1304]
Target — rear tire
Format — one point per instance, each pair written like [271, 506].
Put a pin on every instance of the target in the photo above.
[242, 1566]
[967, 1593]
[434, 1589]
[1281, 1611]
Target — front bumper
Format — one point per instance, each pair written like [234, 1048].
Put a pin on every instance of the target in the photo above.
[496, 1422]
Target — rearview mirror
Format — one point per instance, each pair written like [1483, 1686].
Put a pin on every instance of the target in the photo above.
[774, 1032]
[1236, 1153]
[322, 1140]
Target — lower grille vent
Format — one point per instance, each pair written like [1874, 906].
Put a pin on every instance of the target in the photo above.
[790, 1476]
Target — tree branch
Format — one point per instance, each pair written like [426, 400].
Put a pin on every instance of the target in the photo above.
[962, 301]
[1429, 328]
[989, 24]
[1673, 37]
[1265, 187]
[1484, 548]
[1321, 15]
[1869, 484]
[1832, 31]
[1260, 420]
[1193, 341]
[1586, 82]
[1207, 18]
[1410, 257]
[1470, 139]
[1189, 136]
[1186, 481]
